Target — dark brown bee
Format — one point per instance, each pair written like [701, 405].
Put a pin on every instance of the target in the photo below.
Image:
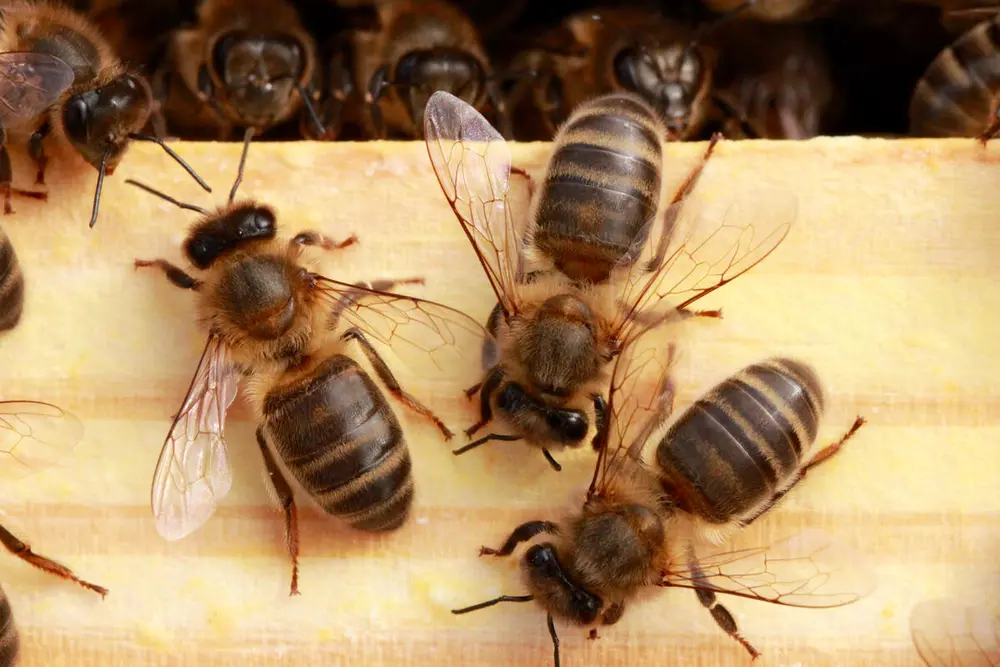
[726, 460]
[598, 258]
[11, 285]
[959, 93]
[244, 64]
[269, 318]
[399, 58]
[60, 79]
[948, 633]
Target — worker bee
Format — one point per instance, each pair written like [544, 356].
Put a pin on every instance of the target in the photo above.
[724, 462]
[601, 252]
[958, 93]
[35, 436]
[11, 285]
[59, 78]
[268, 318]
[399, 58]
[947, 633]
[244, 64]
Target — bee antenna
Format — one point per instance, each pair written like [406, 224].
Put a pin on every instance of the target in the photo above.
[494, 601]
[247, 136]
[177, 158]
[484, 440]
[161, 195]
[100, 186]
[555, 640]
[310, 109]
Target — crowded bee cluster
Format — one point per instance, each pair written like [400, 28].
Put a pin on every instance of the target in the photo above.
[592, 279]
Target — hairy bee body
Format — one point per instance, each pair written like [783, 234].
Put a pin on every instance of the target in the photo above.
[742, 443]
[956, 94]
[11, 285]
[601, 187]
[10, 643]
[335, 431]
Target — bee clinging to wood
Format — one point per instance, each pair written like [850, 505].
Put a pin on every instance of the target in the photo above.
[244, 64]
[60, 79]
[723, 463]
[271, 319]
[602, 254]
[11, 285]
[947, 633]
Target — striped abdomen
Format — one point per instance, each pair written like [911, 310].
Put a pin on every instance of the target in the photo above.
[953, 98]
[743, 441]
[9, 641]
[340, 439]
[601, 186]
[11, 285]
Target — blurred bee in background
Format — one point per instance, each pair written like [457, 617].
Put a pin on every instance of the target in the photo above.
[602, 253]
[11, 285]
[246, 63]
[58, 77]
[959, 93]
[724, 462]
[947, 633]
[399, 55]
[269, 318]
[777, 10]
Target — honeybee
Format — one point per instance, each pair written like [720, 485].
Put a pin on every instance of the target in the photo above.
[11, 285]
[601, 255]
[959, 93]
[398, 57]
[724, 462]
[34, 436]
[948, 633]
[59, 78]
[268, 318]
[246, 63]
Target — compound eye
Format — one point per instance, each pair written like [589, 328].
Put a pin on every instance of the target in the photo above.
[570, 424]
[625, 66]
[76, 117]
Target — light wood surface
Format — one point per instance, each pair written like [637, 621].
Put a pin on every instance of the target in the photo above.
[887, 284]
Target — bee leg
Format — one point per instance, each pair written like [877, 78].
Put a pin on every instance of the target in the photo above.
[731, 110]
[284, 491]
[311, 238]
[722, 616]
[486, 390]
[174, 274]
[994, 126]
[24, 552]
[600, 410]
[522, 533]
[36, 150]
[390, 381]
[341, 89]
[6, 175]
[376, 86]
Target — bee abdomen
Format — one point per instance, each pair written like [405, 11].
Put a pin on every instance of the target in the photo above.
[342, 442]
[11, 285]
[953, 98]
[743, 441]
[601, 187]
[9, 640]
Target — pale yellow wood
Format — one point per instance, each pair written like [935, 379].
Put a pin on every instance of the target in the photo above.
[887, 284]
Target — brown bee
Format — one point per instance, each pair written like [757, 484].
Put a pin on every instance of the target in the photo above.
[59, 78]
[948, 633]
[406, 52]
[725, 461]
[11, 285]
[959, 93]
[35, 436]
[601, 254]
[777, 10]
[244, 64]
[269, 318]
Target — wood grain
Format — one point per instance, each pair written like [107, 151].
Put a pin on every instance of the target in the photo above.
[887, 284]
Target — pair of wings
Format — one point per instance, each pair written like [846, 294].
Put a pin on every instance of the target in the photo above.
[947, 633]
[194, 473]
[35, 436]
[29, 84]
[694, 254]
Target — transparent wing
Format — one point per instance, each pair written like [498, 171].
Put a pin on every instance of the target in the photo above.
[472, 163]
[948, 633]
[431, 338]
[193, 472]
[810, 569]
[694, 250]
[29, 84]
[35, 436]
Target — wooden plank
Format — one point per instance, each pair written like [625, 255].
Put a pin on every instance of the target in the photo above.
[887, 284]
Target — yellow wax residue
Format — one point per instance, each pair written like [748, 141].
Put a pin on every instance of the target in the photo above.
[155, 636]
[329, 636]
[443, 593]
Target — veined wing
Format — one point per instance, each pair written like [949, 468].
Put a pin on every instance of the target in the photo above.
[30, 83]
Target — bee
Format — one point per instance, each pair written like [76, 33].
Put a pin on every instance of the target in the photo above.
[603, 251]
[946, 632]
[244, 64]
[399, 58]
[60, 79]
[11, 285]
[723, 463]
[34, 436]
[268, 318]
[958, 94]
[777, 10]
